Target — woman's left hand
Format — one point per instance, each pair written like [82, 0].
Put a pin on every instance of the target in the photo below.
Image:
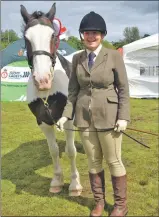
[120, 125]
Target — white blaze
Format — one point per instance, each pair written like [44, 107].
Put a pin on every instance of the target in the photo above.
[40, 37]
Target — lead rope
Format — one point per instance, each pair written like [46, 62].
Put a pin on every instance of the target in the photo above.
[45, 101]
[46, 104]
[47, 107]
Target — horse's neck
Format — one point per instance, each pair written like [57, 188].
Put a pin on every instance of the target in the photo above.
[59, 84]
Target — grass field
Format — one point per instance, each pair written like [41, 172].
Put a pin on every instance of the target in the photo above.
[27, 167]
[22, 63]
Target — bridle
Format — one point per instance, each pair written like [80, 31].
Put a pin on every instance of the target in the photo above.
[31, 54]
[41, 52]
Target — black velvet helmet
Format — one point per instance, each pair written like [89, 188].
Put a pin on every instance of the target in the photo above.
[93, 22]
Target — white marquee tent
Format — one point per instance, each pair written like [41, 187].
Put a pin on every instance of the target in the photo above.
[141, 59]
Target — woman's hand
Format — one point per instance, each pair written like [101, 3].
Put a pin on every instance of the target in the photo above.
[61, 123]
[120, 125]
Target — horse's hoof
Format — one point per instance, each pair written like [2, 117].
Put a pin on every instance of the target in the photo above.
[55, 190]
[75, 193]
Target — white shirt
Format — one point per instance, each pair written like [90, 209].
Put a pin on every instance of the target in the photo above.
[96, 52]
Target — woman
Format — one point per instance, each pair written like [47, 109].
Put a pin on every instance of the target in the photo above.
[99, 99]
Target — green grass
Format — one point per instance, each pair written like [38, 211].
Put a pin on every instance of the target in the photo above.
[27, 167]
[22, 63]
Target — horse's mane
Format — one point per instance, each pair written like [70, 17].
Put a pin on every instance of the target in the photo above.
[36, 17]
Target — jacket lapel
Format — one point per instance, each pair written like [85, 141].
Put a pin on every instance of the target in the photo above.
[84, 60]
[102, 56]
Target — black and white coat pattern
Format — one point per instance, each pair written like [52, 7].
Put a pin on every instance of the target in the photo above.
[39, 37]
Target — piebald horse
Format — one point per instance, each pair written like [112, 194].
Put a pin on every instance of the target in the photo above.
[47, 92]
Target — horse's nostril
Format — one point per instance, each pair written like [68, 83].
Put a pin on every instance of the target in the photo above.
[46, 80]
[41, 81]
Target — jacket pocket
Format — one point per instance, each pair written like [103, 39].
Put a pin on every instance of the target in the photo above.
[112, 99]
[111, 109]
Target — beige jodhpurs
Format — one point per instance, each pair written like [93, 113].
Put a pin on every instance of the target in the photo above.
[99, 144]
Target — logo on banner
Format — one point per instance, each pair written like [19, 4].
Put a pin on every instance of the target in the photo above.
[4, 74]
[19, 75]
[22, 52]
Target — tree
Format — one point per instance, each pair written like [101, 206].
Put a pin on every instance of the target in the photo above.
[7, 37]
[131, 34]
[119, 44]
[107, 44]
[75, 43]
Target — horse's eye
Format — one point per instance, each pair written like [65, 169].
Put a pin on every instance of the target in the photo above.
[53, 35]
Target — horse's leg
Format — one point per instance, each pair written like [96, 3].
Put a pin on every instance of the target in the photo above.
[57, 181]
[75, 187]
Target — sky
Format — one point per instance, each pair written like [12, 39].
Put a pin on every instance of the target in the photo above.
[117, 15]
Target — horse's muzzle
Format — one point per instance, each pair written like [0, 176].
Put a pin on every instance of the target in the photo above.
[43, 84]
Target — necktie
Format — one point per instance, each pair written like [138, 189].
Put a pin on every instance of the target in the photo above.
[90, 60]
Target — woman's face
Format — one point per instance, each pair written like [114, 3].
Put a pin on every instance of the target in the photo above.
[92, 39]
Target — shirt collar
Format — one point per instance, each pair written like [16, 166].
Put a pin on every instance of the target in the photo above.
[96, 52]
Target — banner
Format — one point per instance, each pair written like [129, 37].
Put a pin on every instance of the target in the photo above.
[15, 74]
[13, 91]
[14, 83]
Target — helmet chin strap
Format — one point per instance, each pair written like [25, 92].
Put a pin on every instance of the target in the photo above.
[82, 39]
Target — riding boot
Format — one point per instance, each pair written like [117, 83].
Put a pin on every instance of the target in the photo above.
[97, 182]
[120, 197]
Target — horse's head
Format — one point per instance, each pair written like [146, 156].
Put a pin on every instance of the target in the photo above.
[40, 44]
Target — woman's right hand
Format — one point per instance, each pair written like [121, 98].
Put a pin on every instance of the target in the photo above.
[61, 123]
[121, 125]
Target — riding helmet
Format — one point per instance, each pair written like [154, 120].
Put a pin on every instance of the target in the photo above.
[93, 22]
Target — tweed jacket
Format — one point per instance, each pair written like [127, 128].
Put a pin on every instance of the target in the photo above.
[103, 90]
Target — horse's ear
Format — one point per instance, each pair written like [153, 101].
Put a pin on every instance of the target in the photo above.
[26, 16]
[50, 15]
